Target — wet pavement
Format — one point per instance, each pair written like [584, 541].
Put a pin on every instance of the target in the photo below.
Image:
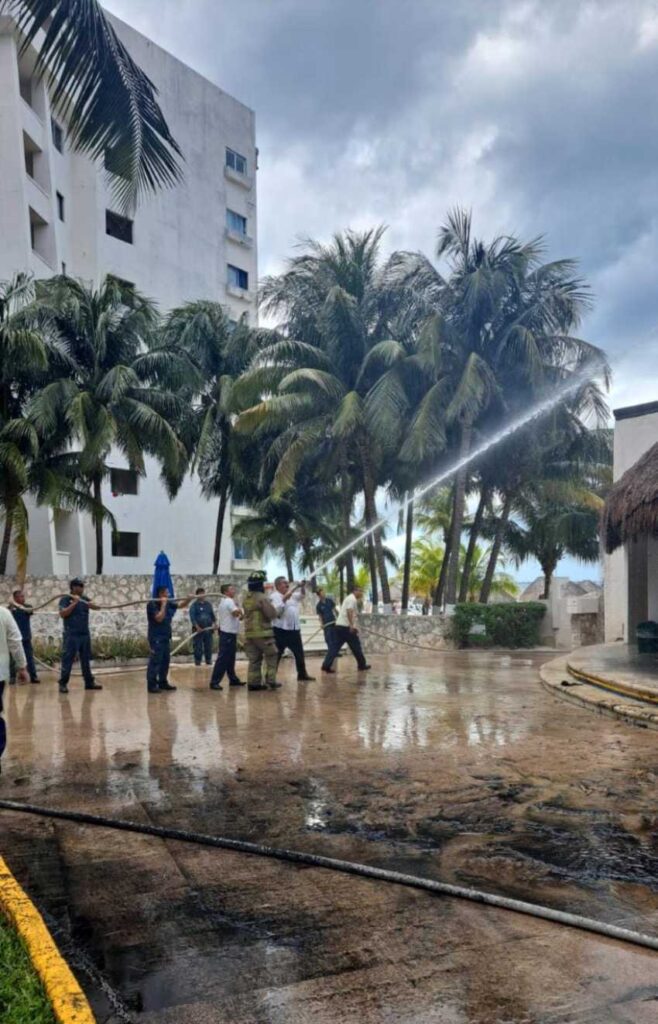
[456, 766]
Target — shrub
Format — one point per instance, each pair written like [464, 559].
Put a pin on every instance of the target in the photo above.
[104, 648]
[505, 625]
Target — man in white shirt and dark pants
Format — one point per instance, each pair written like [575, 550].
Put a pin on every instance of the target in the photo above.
[346, 632]
[230, 614]
[11, 644]
[288, 626]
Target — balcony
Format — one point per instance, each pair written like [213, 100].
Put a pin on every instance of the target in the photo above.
[239, 238]
[239, 293]
[32, 124]
[240, 179]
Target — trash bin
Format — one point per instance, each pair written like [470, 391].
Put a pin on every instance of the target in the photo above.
[647, 637]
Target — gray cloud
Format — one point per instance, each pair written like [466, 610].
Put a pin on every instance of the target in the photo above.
[541, 116]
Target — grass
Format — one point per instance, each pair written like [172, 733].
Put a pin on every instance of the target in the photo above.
[22, 998]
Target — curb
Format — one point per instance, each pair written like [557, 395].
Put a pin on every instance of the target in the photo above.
[591, 696]
[67, 999]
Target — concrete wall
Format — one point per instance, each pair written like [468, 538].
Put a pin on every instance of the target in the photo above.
[180, 252]
[396, 632]
[631, 572]
[109, 590]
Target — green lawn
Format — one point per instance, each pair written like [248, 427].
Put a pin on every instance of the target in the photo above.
[22, 999]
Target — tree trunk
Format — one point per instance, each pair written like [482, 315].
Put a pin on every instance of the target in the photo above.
[472, 542]
[495, 550]
[548, 568]
[457, 518]
[6, 540]
[441, 584]
[289, 568]
[219, 527]
[346, 508]
[369, 489]
[341, 583]
[372, 566]
[98, 523]
[406, 574]
[307, 547]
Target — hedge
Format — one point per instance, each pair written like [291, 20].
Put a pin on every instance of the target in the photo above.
[505, 625]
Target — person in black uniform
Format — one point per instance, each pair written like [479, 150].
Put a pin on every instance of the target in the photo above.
[326, 611]
[159, 612]
[22, 613]
[202, 617]
[74, 610]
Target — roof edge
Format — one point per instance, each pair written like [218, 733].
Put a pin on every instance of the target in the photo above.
[629, 412]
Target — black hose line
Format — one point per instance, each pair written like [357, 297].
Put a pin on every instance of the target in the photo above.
[346, 867]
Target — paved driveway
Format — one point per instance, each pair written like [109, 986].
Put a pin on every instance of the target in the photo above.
[458, 766]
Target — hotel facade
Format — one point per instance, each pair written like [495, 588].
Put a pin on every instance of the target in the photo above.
[197, 240]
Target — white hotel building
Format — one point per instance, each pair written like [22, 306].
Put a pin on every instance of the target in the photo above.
[198, 240]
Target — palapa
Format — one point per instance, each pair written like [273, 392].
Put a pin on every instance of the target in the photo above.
[631, 509]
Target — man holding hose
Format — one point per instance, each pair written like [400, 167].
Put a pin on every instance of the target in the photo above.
[347, 632]
[159, 612]
[74, 610]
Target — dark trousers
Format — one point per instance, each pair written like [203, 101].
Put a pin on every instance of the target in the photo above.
[73, 644]
[342, 636]
[291, 639]
[3, 727]
[329, 635]
[29, 656]
[225, 664]
[202, 647]
[158, 666]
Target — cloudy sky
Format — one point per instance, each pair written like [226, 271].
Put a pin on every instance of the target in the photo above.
[540, 115]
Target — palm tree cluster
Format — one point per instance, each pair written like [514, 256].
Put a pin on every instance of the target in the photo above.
[375, 376]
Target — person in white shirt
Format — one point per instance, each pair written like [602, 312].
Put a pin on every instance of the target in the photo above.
[287, 625]
[230, 614]
[11, 644]
[347, 632]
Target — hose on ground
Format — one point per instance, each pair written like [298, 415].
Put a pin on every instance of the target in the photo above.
[587, 924]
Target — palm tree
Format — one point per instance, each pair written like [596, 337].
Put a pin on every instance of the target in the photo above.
[107, 400]
[284, 526]
[212, 387]
[107, 101]
[502, 584]
[336, 314]
[553, 519]
[426, 562]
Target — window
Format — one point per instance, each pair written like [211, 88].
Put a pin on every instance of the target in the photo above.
[29, 162]
[237, 278]
[57, 133]
[123, 481]
[125, 545]
[60, 205]
[119, 227]
[63, 268]
[236, 222]
[242, 550]
[235, 161]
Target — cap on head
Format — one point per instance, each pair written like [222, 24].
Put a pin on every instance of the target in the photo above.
[76, 582]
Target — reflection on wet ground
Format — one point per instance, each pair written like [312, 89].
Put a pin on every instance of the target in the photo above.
[457, 766]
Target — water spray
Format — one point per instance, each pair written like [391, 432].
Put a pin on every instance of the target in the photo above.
[511, 428]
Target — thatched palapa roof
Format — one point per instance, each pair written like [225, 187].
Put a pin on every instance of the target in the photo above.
[631, 510]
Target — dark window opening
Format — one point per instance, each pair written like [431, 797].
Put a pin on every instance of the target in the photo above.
[236, 222]
[123, 481]
[237, 277]
[242, 550]
[125, 545]
[57, 133]
[119, 227]
[60, 205]
[236, 161]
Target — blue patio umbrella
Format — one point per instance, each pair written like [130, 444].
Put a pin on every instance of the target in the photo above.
[162, 576]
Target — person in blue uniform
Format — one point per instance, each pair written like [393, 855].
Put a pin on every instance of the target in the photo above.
[326, 611]
[202, 617]
[22, 613]
[74, 610]
[159, 612]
